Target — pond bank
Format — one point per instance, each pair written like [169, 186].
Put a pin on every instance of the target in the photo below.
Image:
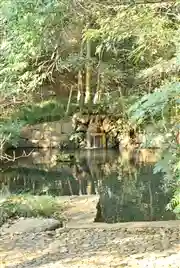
[79, 212]
[92, 248]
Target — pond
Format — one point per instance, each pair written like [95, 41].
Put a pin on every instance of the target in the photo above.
[128, 190]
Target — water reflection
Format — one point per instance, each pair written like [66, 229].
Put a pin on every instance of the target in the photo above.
[128, 191]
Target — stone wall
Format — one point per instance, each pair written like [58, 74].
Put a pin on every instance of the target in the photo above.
[76, 131]
[95, 130]
[50, 134]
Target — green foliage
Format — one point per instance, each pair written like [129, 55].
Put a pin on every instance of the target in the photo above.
[29, 41]
[157, 103]
[174, 205]
[64, 157]
[29, 206]
[10, 131]
[45, 111]
[42, 39]
[41, 42]
[163, 108]
[151, 30]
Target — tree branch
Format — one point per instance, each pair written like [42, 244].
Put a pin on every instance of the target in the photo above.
[7, 158]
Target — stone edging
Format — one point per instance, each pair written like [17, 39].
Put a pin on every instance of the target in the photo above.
[127, 225]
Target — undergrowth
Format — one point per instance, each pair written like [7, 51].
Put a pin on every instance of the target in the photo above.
[27, 205]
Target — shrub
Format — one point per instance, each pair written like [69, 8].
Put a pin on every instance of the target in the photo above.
[29, 206]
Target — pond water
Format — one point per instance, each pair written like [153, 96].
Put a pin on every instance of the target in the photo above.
[128, 191]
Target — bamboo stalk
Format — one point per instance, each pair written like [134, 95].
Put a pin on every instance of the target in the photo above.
[69, 101]
[88, 72]
[80, 94]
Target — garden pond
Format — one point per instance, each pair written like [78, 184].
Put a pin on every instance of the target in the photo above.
[128, 190]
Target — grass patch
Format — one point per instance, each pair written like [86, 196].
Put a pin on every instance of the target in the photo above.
[29, 206]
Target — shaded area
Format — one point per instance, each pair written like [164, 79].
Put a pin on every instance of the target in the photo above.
[138, 197]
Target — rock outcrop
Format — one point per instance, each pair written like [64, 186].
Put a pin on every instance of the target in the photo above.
[90, 131]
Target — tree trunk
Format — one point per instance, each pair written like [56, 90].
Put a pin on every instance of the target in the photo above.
[69, 101]
[80, 93]
[88, 72]
[98, 93]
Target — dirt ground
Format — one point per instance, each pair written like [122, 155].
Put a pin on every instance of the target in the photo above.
[84, 244]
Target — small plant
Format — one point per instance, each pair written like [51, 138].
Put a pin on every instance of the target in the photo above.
[174, 205]
[29, 206]
[63, 157]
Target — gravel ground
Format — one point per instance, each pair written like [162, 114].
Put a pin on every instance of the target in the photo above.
[90, 248]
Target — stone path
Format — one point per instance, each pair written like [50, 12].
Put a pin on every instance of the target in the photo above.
[93, 245]
[90, 248]
[80, 210]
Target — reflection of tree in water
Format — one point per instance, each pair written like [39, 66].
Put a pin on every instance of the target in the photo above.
[33, 180]
[73, 179]
[79, 177]
[127, 192]
[133, 195]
